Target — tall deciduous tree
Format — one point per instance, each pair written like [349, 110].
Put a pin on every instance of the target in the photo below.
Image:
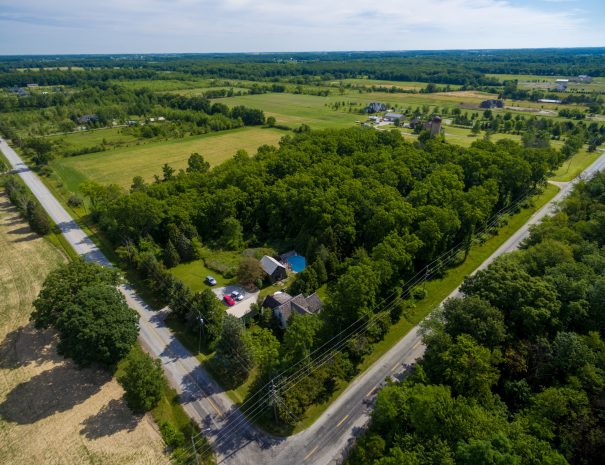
[97, 327]
[63, 284]
[233, 357]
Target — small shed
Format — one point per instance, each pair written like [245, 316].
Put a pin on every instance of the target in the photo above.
[274, 269]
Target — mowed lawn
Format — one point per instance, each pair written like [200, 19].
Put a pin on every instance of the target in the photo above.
[121, 165]
[51, 412]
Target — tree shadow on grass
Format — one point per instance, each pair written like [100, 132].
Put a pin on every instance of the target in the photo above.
[112, 418]
[20, 231]
[55, 390]
[25, 345]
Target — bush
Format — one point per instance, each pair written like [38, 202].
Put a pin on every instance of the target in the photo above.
[142, 382]
[74, 201]
[37, 218]
[172, 437]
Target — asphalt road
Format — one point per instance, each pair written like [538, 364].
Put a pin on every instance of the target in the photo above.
[235, 441]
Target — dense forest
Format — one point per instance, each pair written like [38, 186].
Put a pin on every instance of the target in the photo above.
[514, 370]
[443, 67]
[366, 208]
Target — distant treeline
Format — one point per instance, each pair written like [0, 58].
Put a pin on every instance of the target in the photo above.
[467, 68]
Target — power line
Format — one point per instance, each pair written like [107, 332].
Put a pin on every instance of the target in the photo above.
[425, 273]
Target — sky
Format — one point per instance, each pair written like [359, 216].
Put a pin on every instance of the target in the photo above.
[196, 26]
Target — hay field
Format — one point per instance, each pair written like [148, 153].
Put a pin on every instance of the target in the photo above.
[50, 412]
[121, 165]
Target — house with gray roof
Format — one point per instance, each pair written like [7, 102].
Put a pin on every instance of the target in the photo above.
[274, 269]
[284, 306]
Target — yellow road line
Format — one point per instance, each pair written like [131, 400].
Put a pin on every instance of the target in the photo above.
[416, 345]
[311, 453]
[394, 367]
[371, 391]
[342, 421]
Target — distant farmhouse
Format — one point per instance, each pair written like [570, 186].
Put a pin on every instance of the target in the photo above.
[375, 107]
[32, 85]
[492, 103]
[85, 119]
[548, 100]
[19, 91]
[584, 78]
[274, 269]
[393, 117]
[284, 305]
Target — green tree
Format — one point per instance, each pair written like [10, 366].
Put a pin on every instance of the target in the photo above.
[63, 284]
[171, 256]
[197, 164]
[37, 218]
[233, 357]
[475, 317]
[142, 381]
[249, 271]
[212, 311]
[300, 337]
[232, 233]
[97, 327]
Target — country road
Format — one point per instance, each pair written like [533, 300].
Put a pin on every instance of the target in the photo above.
[235, 441]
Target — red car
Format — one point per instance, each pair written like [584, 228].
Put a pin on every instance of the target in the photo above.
[229, 300]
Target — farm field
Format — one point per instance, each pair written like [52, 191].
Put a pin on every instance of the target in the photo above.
[51, 412]
[121, 165]
[407, 85]
[296, 109]
[81, 139]
[531, 81]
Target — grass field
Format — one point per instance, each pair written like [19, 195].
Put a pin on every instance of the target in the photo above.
[121, 165]
[533, 81]
[575, 165]
[51, 412]
[296, 109]
[78, 140]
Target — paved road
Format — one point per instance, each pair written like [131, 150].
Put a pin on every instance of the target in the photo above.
[331, 435]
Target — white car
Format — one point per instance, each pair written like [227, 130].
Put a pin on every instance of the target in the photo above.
[239, 296]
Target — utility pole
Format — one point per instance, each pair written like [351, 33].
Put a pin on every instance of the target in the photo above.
[197, 458]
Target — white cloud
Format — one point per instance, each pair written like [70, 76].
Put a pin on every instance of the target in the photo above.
[272, 25]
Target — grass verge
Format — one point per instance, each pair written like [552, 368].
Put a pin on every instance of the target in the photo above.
[571, 168]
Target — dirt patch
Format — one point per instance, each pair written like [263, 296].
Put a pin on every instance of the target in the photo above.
[52, 413]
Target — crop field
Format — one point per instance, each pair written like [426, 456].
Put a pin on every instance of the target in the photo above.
[121, 165]
[51, 412]
[406, 85]
[294, 110]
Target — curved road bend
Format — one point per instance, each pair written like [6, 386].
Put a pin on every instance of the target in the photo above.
[329, 437]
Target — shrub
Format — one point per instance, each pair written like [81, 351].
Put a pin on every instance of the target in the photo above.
[142, 382]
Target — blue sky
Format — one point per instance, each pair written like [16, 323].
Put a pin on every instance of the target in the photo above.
[147, 26]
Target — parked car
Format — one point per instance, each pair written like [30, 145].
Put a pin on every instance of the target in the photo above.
[210, 280]
[237, 296]
[229, 300]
